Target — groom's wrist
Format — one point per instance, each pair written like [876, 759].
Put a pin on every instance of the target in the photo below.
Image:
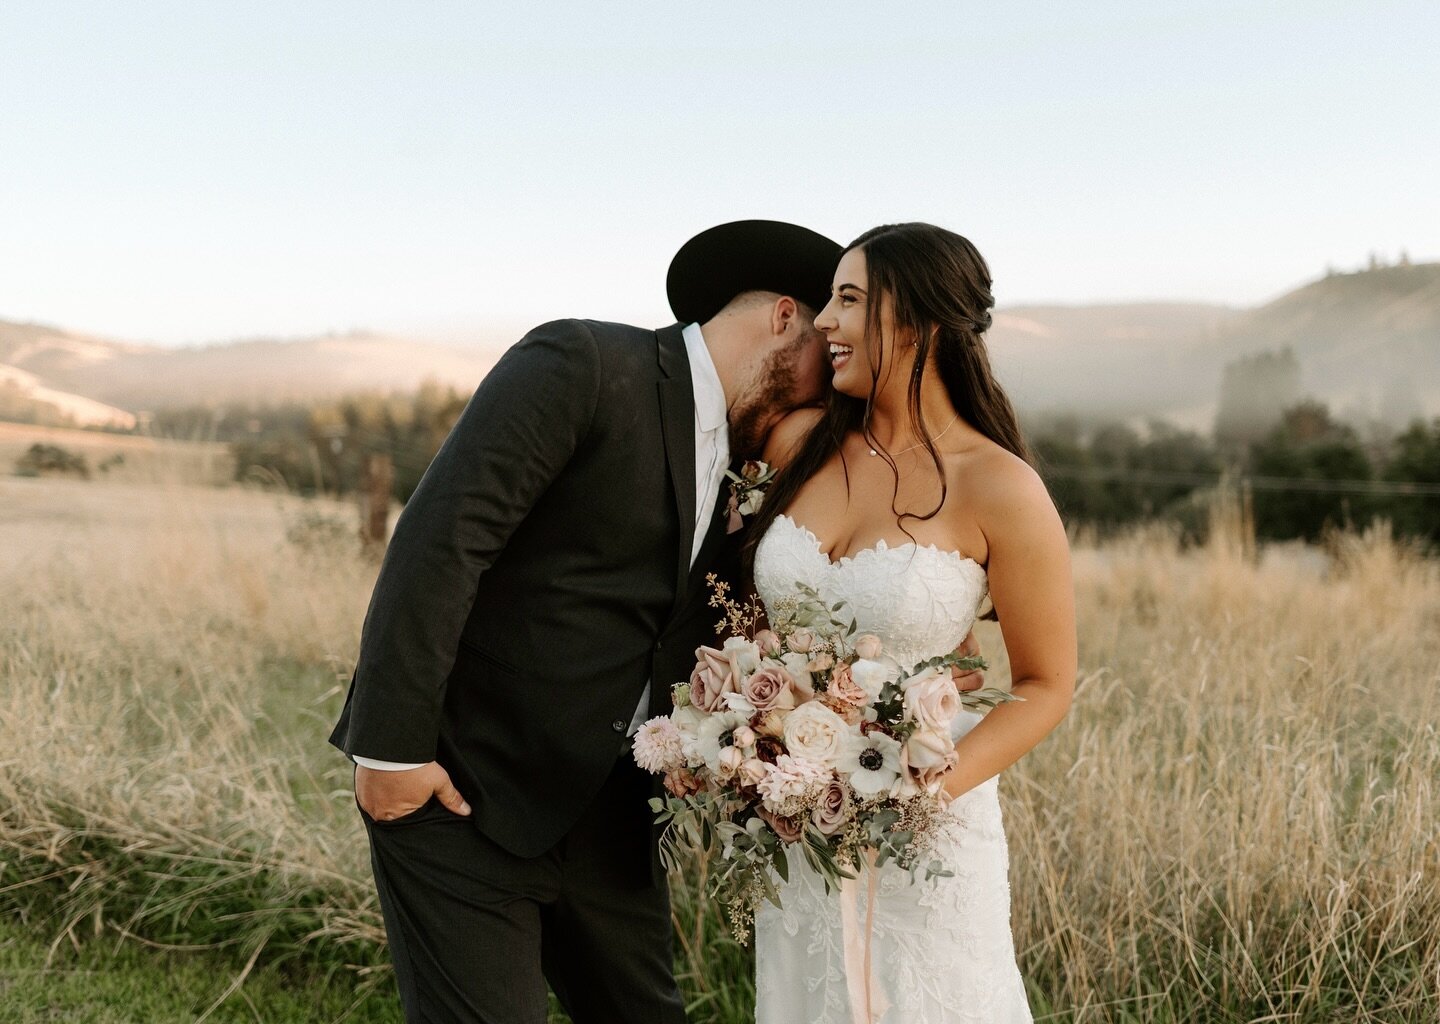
[385, 766]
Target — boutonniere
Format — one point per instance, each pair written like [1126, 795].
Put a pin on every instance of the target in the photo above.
[747, 491]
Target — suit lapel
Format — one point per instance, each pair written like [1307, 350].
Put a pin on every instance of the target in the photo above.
[677, 422]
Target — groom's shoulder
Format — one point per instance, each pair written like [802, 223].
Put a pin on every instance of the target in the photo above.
[601, 334]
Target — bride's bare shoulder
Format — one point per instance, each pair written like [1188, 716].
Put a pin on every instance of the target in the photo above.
[1005, 493]
[787, 435]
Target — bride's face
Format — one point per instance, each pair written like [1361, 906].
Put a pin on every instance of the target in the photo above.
[856, 359]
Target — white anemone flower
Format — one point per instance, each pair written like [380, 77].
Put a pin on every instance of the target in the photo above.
[872, 762]
[706, 746]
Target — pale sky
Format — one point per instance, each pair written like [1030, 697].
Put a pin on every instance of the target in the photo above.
[177, 171]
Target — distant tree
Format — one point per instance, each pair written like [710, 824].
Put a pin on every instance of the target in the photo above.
[51, 460]
[1120, 477]
[1253, 391]
[1416, 458]
[1309, 445]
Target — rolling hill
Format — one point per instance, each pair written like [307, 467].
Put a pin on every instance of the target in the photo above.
[1368, 344]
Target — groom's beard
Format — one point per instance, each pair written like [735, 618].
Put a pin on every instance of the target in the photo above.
[777, 390]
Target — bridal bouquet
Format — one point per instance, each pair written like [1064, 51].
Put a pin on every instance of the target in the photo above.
[803, 739]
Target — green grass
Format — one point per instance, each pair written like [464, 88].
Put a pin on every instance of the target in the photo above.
[88, 979]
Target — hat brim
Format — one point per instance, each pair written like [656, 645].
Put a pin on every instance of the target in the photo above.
[749, 255]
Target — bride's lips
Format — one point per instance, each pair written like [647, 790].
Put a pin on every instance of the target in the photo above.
[839, 355]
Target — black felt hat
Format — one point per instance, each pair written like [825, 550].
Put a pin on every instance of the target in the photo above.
[749, 255]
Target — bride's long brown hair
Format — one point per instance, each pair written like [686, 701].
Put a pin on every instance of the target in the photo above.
[939, 288]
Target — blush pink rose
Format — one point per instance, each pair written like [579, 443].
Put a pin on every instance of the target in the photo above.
[801, 640]
[767, 641]
[714, 676]
[930, 700]
[770, 688]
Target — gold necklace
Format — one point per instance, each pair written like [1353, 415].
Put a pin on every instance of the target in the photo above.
[937, 437]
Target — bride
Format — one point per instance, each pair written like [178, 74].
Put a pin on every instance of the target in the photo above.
[910, 497]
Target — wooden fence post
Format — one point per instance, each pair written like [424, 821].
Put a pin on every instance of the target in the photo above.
[377, 476]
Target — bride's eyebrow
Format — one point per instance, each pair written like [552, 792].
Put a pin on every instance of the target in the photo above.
[852, 287]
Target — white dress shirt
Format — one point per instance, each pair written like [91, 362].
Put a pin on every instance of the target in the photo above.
[712, 456]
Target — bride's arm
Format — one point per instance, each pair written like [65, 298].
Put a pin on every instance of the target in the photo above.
[1030, 584]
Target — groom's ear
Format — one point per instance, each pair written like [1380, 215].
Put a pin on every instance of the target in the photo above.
[785, 317]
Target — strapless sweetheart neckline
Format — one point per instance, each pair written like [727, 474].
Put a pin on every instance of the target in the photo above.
[879, 547]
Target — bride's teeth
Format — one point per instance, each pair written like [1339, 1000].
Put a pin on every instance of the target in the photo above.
[836, 350]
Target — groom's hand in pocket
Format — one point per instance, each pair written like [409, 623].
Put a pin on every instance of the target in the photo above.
[386, 796]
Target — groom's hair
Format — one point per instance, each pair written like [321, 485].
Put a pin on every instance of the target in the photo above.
[746, 301]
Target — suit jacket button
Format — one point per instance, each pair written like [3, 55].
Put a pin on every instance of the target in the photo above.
[659, 647]
[618, 725]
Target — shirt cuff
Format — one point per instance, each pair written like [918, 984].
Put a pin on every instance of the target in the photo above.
[385, 766]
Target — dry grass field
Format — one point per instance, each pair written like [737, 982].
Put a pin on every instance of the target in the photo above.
[1239, 821]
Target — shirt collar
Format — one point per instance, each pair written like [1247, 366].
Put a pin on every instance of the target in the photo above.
[709, 393]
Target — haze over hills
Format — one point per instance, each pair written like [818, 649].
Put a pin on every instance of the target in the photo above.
[1368, 344]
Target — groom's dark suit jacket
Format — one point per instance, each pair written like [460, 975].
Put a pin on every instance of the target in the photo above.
[538, 577]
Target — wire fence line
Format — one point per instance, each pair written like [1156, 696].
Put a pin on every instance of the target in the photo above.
[1168, 478]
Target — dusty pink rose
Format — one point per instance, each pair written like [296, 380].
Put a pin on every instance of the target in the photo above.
[788, 829]
[714, 676]
[767, 641]
[833, 809]
[867, 646]
[770, 688]
[801, 640]
[930, 700]
[844, 689]
[927, 757]
[744, 736]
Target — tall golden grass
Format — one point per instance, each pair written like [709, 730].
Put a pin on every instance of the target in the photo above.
[1240, 819]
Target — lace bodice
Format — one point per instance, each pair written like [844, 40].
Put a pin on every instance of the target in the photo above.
[918, 599]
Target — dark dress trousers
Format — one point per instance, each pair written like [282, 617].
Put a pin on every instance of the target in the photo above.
[538, 577]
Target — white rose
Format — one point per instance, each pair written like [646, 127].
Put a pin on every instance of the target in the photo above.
[797, 665]
[871, 675]
[815, 733]
[744, 654]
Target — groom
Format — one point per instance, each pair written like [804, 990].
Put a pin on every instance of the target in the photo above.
[544, 588]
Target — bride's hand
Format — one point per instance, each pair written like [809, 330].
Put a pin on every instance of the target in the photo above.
[973, 680]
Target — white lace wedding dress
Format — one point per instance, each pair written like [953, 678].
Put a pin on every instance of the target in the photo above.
[940, 951]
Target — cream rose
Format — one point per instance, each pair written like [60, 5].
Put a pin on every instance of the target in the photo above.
[752, 771]
[927, 758]
[801, 640]
[867, 646]
[814, 732]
